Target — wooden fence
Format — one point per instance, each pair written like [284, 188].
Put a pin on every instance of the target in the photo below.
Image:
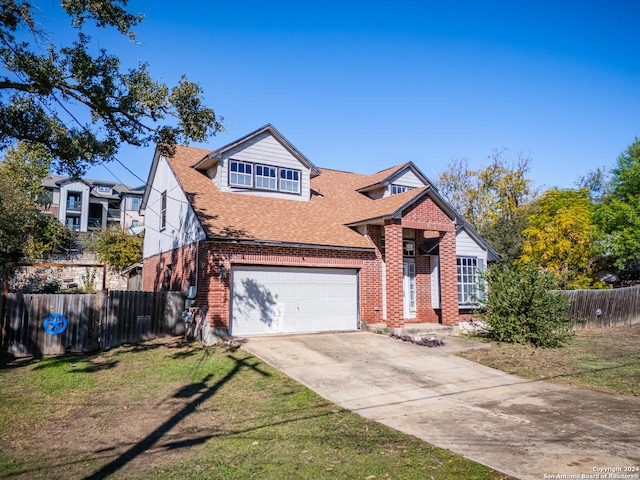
[605, 308]
[97, 321]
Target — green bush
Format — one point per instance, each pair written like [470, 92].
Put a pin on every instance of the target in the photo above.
[521, 307]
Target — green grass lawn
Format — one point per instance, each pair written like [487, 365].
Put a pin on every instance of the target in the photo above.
[603, 359]
[179, 411]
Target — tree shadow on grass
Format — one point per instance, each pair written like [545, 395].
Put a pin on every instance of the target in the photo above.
[199, 392]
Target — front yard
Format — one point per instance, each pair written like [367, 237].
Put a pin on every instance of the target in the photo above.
[169, 410]
[603, 359]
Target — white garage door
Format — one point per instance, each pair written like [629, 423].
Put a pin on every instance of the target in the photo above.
[283, 300]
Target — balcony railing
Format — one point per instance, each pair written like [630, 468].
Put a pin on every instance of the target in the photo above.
[74, 205]
[113, 213]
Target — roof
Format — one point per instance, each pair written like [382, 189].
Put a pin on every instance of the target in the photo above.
[54, 181]
[322, 221]
[214, 155]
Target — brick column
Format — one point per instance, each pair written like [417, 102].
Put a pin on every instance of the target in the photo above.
[448, 278]
[393, 257]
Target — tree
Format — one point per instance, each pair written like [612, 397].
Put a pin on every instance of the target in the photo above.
[618, 214]
[41, 85]
[561, 236]
[118, 248]
[18, 214]
[505, 234]
[24, 230]
[26, 165]
[521, 307]
[484, 196]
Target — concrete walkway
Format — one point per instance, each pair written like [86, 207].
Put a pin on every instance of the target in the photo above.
[520, 427]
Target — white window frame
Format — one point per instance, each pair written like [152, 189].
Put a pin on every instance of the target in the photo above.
[261, 178]
[408, 248]
[163, 210]
[135, 200]
[285, 183]
[104, 189]
[239, 178]
[469, 282]
[395, 189]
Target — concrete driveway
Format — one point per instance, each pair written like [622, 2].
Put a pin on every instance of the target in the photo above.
[521, 427]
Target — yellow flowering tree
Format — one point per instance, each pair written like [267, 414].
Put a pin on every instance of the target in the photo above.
[560, 237]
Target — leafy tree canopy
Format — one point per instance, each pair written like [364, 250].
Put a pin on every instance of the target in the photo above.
[118, 248]
[24, 231]
[42, 86]
[484, 196]
[619, 213]
[561, 236]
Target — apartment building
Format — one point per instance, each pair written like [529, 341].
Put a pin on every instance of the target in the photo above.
[85, 205]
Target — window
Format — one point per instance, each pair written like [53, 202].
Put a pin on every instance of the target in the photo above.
[399, 189]
[408, 248]
[135, 203]
[103, 189]
[412, 285]
[74, 201]
[289, 180]
[266, 177]
[241, 174]
[163, 211]
[134, 223]
[469, 280]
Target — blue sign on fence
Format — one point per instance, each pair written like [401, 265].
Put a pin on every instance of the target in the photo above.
[55, 324]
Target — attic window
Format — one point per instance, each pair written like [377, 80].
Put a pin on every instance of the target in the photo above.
[266, 177]
[103, 189]
[289, 180]
[241, 174]
[400, 189]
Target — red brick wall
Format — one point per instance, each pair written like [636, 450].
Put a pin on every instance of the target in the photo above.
[175, 270]
[393, 258]
[213, 289]
[448, 279]
[426, 215]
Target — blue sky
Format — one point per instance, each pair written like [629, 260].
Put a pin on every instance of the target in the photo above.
[361, 86]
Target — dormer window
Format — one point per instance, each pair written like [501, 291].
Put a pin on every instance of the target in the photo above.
[241, 175]
[266, 177]
[289, 180]
[400, 189]
[103, 189]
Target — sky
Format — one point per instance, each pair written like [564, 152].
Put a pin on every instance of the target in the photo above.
[361, 86]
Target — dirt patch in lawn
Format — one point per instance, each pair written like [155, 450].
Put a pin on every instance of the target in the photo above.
[602, 359]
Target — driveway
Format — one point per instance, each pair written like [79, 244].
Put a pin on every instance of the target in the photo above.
[524, 428]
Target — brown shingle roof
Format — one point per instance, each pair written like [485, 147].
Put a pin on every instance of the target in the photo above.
[320, 221]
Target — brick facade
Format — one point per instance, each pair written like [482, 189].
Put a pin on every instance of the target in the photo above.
[176, 270]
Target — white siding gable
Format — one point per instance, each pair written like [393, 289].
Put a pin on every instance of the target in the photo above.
[263, 149]
[405, 178]
[181, 227]
[467, 246]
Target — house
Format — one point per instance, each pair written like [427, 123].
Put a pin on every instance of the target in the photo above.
[86, 205]
[266, 242]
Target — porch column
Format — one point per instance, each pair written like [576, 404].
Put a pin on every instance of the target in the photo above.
[448, 278]
[393, 258]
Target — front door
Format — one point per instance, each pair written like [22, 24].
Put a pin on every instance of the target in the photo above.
[409, 287]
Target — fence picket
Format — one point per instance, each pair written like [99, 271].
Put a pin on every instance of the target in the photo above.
[605, 308]
[97, 321]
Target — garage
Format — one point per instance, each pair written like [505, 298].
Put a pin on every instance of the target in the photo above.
[287, 300]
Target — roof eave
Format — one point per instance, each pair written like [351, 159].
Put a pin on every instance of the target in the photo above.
[278, 243]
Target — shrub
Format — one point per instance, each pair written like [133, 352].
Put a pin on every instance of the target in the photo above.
[521, 307]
